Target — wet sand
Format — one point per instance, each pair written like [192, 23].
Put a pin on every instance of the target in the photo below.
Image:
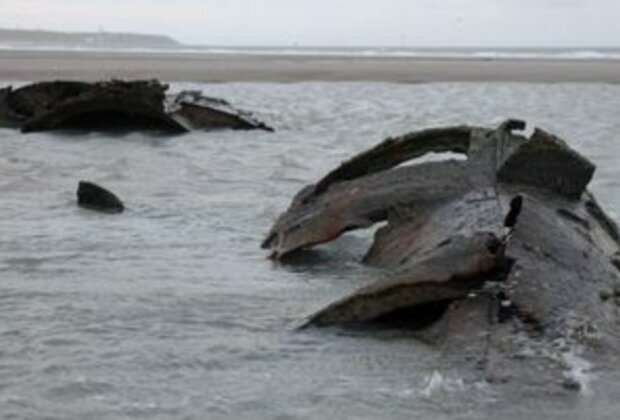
[196, 67]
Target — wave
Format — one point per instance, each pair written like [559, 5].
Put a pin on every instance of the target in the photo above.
[427, 53]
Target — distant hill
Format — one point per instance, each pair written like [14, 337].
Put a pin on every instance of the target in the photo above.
[36, 38]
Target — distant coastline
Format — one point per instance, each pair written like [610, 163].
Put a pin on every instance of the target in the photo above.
[51, 41]
[40, 39]
[43, 55]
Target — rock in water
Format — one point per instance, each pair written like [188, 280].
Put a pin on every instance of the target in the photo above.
[117, 105]
[500, 256]
[94, 197]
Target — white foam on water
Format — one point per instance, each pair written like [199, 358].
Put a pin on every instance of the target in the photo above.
[437, 382]
[387, 52]
[579, 370]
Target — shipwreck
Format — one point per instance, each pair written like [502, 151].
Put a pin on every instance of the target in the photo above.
[117, 105]
[503, 260]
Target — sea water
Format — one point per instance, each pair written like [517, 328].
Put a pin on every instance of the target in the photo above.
[172, 311]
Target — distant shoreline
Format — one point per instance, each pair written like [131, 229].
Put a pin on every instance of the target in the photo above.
[21, 65]
[28, 38]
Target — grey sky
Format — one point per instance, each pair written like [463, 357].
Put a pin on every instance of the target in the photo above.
[335, 22]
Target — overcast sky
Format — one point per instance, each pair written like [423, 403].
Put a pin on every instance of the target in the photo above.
[334, 22]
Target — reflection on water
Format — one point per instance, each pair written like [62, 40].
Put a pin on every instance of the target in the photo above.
[171, 310]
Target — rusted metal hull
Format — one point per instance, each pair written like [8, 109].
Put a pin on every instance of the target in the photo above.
[485, 254]
[114, 105]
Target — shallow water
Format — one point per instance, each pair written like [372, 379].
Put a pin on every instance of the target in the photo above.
[171, 310]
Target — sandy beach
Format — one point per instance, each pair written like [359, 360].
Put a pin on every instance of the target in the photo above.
[196, 67]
